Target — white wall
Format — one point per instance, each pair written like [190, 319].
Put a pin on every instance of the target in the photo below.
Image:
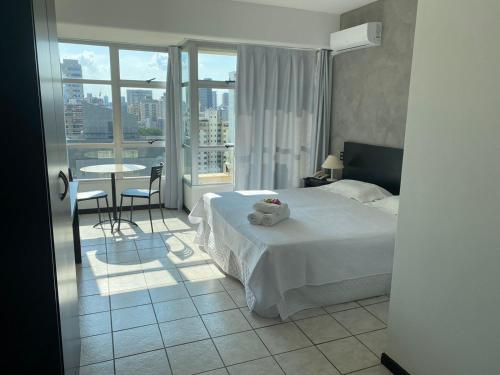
[445, 305]
[165, 22]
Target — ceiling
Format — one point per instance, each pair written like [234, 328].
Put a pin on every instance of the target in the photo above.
[325, 6]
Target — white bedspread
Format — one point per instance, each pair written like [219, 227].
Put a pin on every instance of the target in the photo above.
[327, 239]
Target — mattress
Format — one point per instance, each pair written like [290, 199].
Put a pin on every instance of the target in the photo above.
[328, 239]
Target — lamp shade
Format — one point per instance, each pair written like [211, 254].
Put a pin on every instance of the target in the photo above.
[332, 162]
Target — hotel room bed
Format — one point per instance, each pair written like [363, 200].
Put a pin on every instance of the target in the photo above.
[331, 250]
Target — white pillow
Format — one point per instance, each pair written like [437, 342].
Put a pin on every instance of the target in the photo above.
[358, 190]
[389, 204]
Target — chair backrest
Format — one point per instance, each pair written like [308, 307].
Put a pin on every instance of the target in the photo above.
[155, 175]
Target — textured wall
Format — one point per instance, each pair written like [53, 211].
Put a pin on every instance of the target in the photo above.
[370, 89]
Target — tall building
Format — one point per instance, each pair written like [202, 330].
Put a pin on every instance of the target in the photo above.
[72, 69]
[225, 99]
[138, 96]
[205, 97]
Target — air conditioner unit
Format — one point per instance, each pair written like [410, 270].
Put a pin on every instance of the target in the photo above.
[361, 36]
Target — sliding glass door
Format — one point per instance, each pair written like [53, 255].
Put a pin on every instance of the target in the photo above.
[208, 113]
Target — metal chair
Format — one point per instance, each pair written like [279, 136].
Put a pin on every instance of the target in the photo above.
[93, 194]
[144, 193]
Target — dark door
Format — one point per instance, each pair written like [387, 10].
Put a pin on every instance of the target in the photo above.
[57, 166]
[38, 267]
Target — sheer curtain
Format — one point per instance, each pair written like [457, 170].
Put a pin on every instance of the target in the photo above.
[322, 106]
[173, 180]
[277, 108]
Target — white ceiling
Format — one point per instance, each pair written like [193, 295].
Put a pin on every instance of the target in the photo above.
[325, 6]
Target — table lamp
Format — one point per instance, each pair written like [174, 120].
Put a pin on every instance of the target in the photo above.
[332, 162]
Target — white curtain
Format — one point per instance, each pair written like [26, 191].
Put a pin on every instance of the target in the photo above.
[277, 131]
[173, 179]
[322, 106]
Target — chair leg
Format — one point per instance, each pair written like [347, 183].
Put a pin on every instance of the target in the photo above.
[131, 207]
[120, 215]
[161, 208]
[99, 212]
[150, 217]
[109, 214]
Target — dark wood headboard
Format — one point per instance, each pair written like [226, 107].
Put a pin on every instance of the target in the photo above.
[374, 164]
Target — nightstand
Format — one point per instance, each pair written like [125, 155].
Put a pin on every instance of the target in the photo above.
[313, 182]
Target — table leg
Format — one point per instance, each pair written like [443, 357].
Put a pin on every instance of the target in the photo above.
[113, 195]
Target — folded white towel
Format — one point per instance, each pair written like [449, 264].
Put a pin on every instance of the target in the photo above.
[271, 219]
[270, 208]
[255, 218]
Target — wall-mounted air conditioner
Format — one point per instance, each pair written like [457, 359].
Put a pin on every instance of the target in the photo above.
[361, 36]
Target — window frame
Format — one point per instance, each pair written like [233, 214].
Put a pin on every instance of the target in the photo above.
[194, 84]
[119, 144]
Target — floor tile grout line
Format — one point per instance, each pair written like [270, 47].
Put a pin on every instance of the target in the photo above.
[375, 316]
[159, 329]
[110, 314]
[356, 338]
[211, 339]
[317, 348]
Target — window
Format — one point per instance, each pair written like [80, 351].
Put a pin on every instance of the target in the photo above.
[208, 113]
[114, 105]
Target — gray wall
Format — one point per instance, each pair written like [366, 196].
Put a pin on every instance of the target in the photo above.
[445, 300]
[370, 89]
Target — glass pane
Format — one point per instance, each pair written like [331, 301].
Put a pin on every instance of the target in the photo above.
[216, 65]
[185, 66]
[216, 121]
[143, 65]
[84, 157]
[187, 163]
[144, 155]
[186, 117]
[143, 112]
[88, 113]
[215, 167]
[84, 61]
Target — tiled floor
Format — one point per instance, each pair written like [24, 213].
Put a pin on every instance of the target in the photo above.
[153, 303]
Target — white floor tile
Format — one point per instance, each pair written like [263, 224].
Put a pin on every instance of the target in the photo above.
[240, 347]
[209, 303]
[376, 341]
[168, 292]
[103, 368]
[194, 358]
[96, 349]
[225, 322]
[137, 340]
[200, 287]
[283, 338]
[257, 321]
[376, 370]
[322, 328]
[183, 331]
[265, 366]
[129, 298]
[93, 304]
[348, 354]
[131, 317]
[308, 313]
[95, 324]
[358, 321]
[341, 307]
[380, 310]
[308, 361]
[151, 363]
[175, 309]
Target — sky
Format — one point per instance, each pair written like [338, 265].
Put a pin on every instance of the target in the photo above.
[139, 65]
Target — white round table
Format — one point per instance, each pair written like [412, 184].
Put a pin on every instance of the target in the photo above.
[112, 169]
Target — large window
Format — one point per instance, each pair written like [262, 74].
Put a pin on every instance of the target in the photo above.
[114, 104]
[208, 75]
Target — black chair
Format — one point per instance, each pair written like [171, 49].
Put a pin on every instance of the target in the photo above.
[144, 193]
[94, 194]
